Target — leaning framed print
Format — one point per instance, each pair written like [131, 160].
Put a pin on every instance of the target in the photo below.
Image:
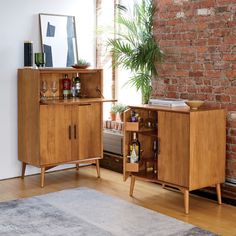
[58, 39]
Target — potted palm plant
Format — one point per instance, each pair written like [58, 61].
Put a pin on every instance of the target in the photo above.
[134, 47]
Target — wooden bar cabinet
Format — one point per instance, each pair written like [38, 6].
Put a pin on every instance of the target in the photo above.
[54, 131]
[190, 148]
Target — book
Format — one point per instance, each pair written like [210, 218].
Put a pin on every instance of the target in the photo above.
[169, 102]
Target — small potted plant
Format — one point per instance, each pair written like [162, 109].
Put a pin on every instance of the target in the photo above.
[117, 108]
[120, 110]
[81, 64]
[113, 112]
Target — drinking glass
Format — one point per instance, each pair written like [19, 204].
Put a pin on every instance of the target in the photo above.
[39, 59]
[44, 88]
[53, 88]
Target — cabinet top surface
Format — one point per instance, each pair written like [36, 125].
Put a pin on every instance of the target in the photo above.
[172, 109]
[75, 101]
[61, 70]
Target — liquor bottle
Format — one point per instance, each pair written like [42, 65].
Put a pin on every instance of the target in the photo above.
[66, 87]
[134, 149]
[73, 88]
[149, 123]
[77, 85]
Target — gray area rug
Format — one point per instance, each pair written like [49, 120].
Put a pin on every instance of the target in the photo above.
[84, 211]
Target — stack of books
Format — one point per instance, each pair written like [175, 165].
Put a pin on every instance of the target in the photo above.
[168, 102]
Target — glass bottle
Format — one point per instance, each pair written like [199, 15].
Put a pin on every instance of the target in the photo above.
[73, 88]
[77, 85]
[134, 149]
[148, 121]
[66, 86]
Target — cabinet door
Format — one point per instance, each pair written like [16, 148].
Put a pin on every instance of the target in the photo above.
[87, 135]
[55, 134]
[173, 160]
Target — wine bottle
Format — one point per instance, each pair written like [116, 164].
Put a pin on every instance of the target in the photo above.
[77, 85]
[134, 149]
[73, 88]
[66, 86]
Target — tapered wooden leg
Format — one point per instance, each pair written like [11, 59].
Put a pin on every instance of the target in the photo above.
[186, 201]
[42, 176]
[132, 182]
[98, 168]
[77, 166]
[23, 170]
[218, 191]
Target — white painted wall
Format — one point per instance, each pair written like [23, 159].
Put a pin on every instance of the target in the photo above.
[19, 22]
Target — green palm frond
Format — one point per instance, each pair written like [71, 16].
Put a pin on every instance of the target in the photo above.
[134, 47]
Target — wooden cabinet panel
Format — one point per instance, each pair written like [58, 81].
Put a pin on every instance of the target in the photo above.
[55, 134]
[207, 148]
[86, 119]
[173, 160]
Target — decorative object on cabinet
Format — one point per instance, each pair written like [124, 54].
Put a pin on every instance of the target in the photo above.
[59, 131]
[28, 54]
[194, 104]
[181, 151]
[81, 64]
[59, 42]
[134, 46]
[40, 59]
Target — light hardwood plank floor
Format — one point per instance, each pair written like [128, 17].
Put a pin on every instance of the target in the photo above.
[204, 213]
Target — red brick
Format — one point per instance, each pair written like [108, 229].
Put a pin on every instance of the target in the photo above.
[196, 74]
[222, 98]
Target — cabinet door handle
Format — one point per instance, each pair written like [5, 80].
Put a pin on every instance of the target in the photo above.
[69, 132]
[159, 145]
[74, 131]
[85, 104]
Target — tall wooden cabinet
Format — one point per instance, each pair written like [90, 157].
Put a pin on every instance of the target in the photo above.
[57, 131]
[190, 148]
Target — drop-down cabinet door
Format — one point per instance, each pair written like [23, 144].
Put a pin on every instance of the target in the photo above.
[55, 134]
[174, 137]
[86, 124]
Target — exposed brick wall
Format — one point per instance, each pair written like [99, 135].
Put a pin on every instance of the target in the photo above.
[199, 40]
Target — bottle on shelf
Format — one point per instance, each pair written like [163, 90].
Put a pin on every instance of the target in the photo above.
[77, 85]
[135, 149]
[73, 88]
[155, 150]
[66, 87]
[149, 122]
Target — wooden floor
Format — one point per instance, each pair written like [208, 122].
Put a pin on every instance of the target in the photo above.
[204, 213]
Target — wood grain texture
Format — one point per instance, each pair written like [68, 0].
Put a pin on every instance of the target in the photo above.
[207, 148]
[28, 116]
[87, 119]
[55, 140]
[173, 160]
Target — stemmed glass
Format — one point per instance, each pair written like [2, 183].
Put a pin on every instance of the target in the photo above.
[44, 89]
[54, 88]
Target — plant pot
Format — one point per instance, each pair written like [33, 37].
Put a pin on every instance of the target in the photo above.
[121, 116]
[113, 116]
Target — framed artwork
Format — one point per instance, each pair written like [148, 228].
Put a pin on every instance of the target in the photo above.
[58, 39]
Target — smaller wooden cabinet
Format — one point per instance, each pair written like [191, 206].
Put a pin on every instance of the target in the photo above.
[59, 131]
[190, 148]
